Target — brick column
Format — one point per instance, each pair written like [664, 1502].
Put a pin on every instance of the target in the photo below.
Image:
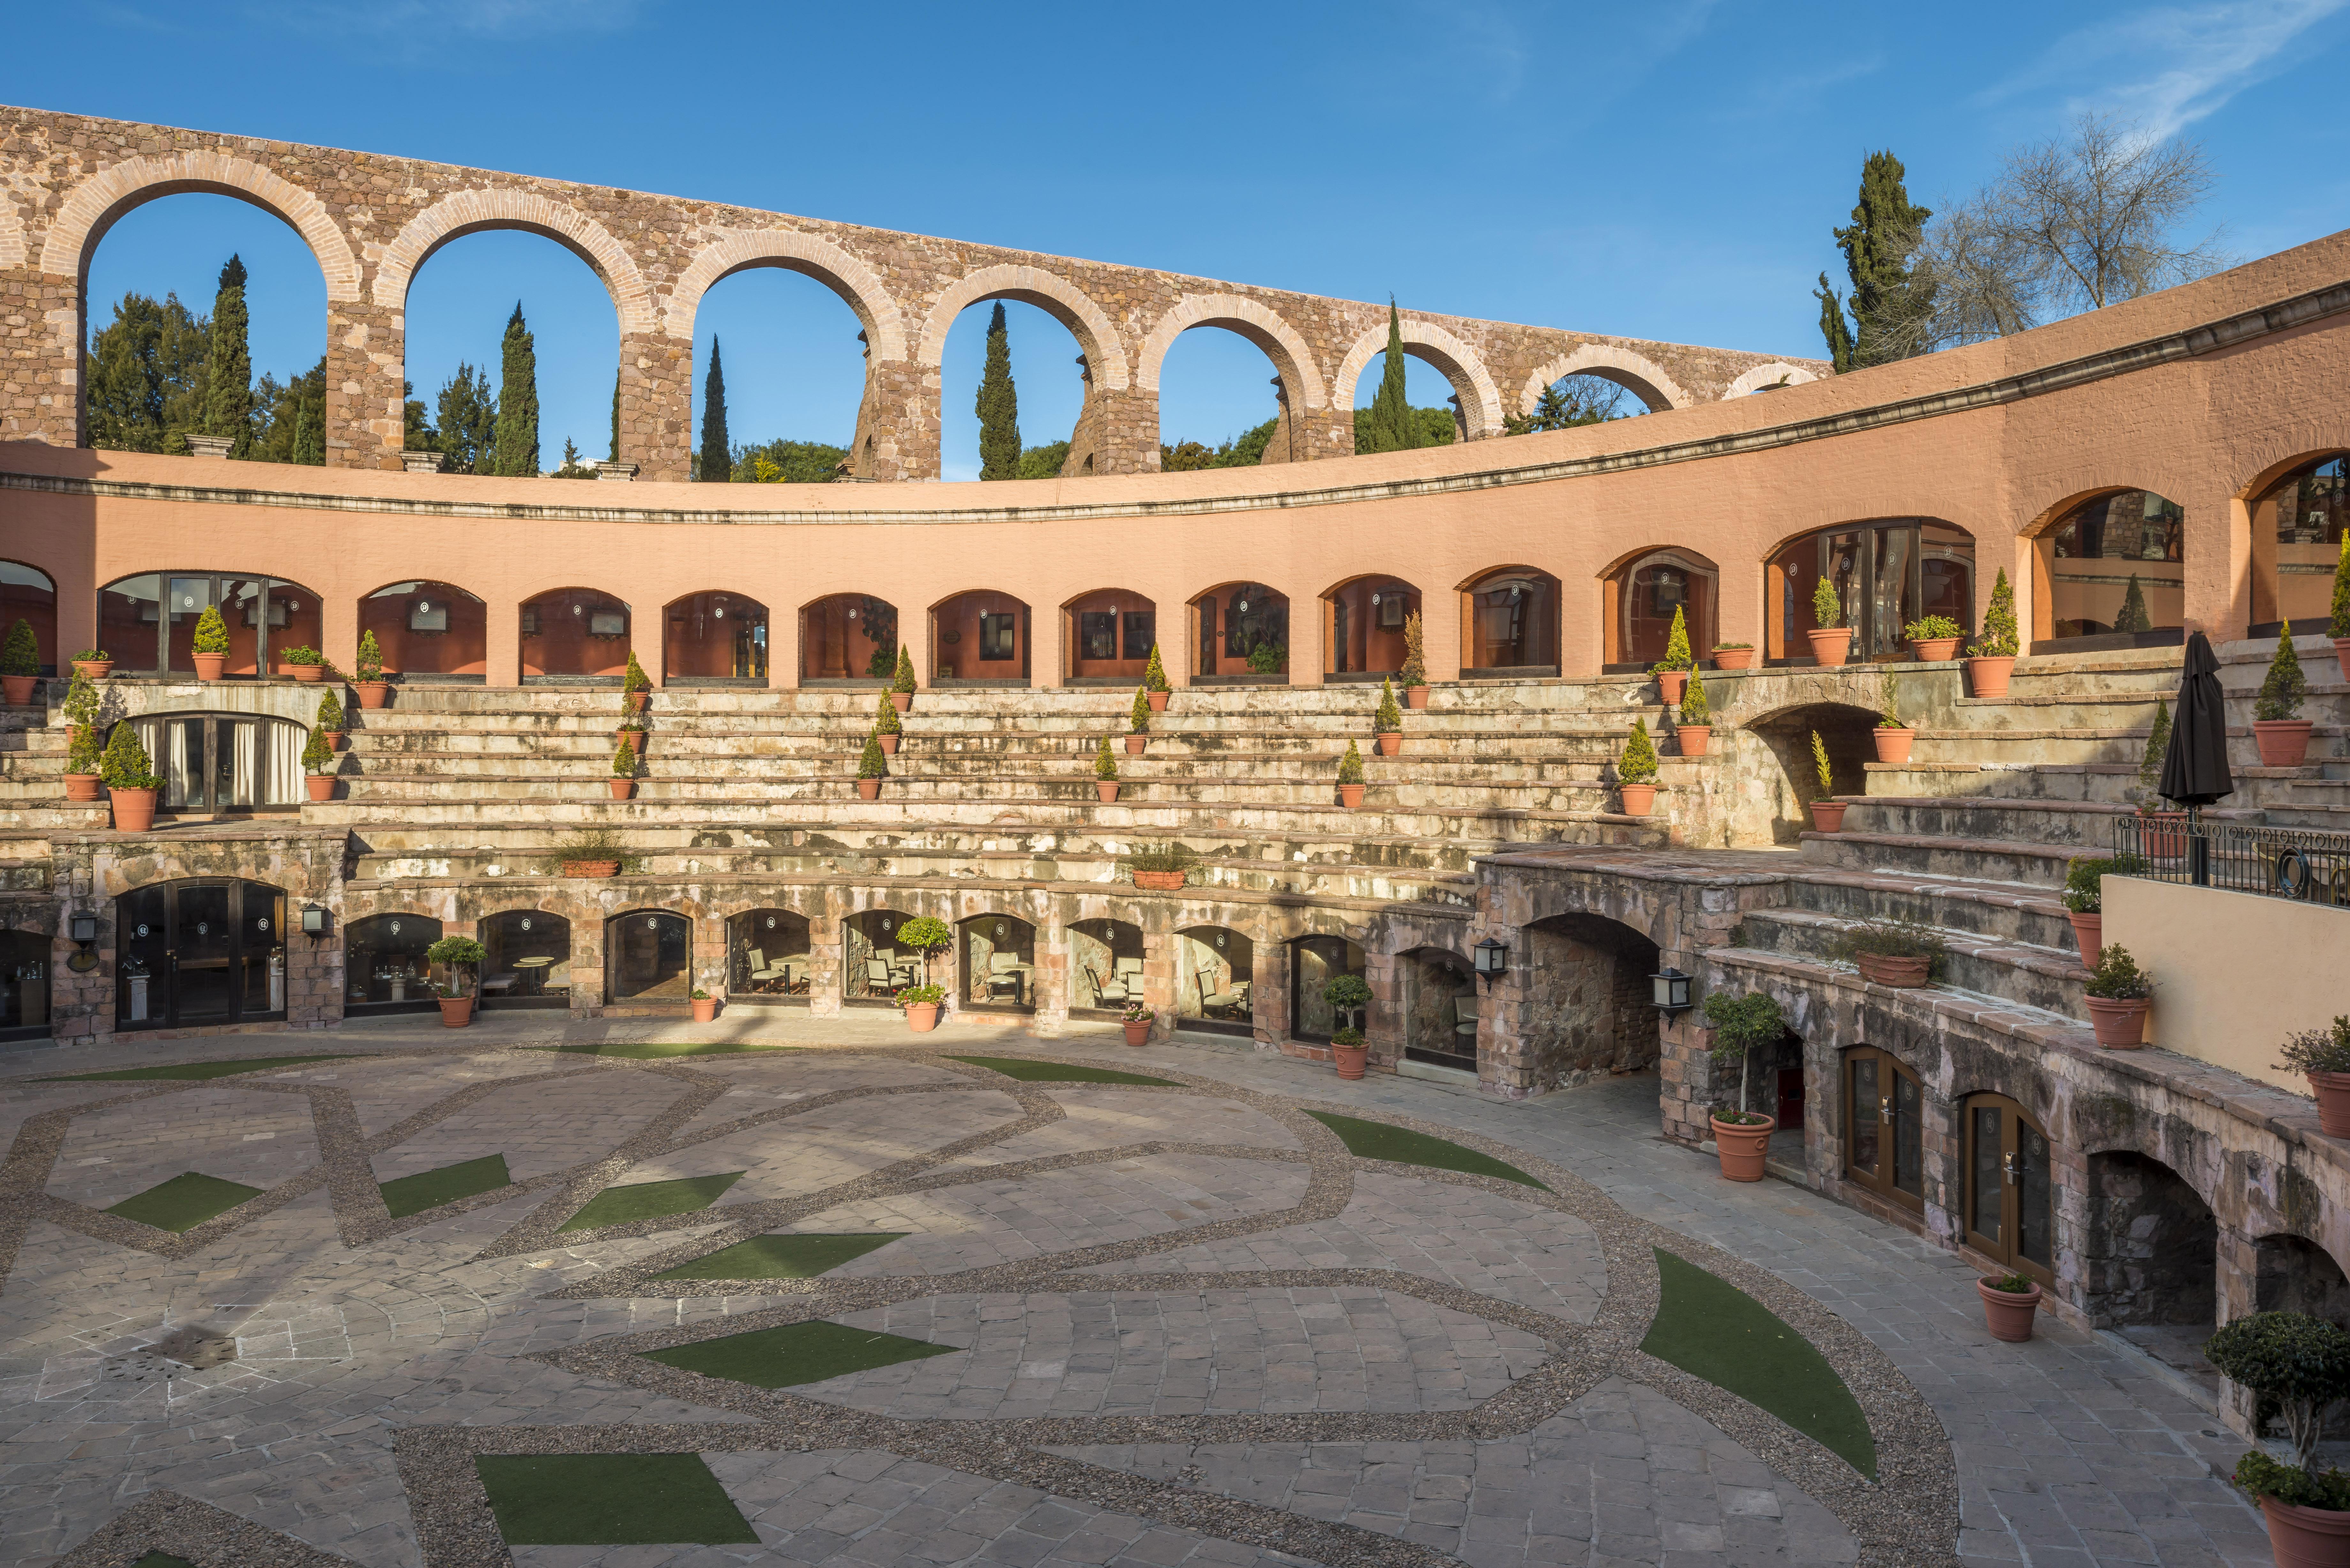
[1125, 431]
[366, 361]
[656, 404]
[40, 363]
[903, 443]
[1383, 1028]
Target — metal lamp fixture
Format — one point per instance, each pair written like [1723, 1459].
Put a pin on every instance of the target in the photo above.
[83, 931]
[315, 919]
[1668, 991]
[1493, 959]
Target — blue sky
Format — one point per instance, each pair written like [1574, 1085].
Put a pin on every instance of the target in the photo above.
[1668, 170]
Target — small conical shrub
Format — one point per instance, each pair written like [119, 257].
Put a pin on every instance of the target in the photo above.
[318, 756]
[624, 760]
[2132, 615]
[21, 655]
[211, 632]
[905, 682]
[2340, 625]
[1137, 718]
[872, 765]
[1676, 646]
[1351, 766]
[330, 710]
[1104, 761]
[1695, 709]
[1820, 765]
[1155, 676]
[82, 706]
[1999, 639]
[1415, 656]
[1889, 713]
[1390, 716]
[125, 765]
[371, 667]
[1827, 606]
[885, 714]
[1639, 762]
[2284, 686]
[635, 680]
[83, 752]
[2157, 742]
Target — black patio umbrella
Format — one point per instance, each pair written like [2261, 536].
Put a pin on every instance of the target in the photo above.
[2195, 769]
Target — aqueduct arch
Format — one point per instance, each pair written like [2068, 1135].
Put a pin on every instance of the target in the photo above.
[857, 284]
[1472, 384]
[1635, 372]
[472, 211]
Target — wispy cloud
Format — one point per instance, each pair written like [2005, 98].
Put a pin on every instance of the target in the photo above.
[2168, 68]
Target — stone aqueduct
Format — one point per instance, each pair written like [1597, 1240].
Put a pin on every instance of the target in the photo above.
[373, 220]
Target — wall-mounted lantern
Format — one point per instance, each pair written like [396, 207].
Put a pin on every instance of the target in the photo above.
[316, 921]
[1493, 959]
[1669, 991]
[83, 931]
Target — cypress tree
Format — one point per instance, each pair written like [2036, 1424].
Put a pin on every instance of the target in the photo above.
[309, 441]
[1886, 303]
[228, 396]
[1394, 428]
[999, 406]
[517, 426]
[717, 460]
[616, 409]
[1832, 327]
[2132, 615]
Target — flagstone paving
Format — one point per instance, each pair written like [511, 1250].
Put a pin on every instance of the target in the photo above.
[1181, 1326]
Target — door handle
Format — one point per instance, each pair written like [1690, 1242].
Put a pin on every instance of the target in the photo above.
[2007, 1164]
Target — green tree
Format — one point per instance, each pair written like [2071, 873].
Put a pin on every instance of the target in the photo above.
[2158, 742]
[1832, 327]
[417, 435]
[469, 419]
[228, 382]
[1434, 427]
[1676, 646]
[516, 452]
[1567, 403]
[145, 376]
[2132, 615]
[1392, 426]
[1044, 462]
[310, 438]
[1891, 308]
[1245, 449]
[998, 406]
[788, 462]
[1638, 765]
[2285, 687]
[717, 462]
[1999, 637]
[573, 467]
[616, 414]
[2339, 627]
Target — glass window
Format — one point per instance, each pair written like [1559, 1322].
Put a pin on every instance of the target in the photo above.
[1097, 634]
[1885, 1122]
[128, 613]
[999, 963]
[526, 959]
[1650, 593]
[1509, 621]
[24, 963]
[768, 957]
[1108, 635]
[384, 966]
[188, 598]
[2116, 567]
[200, 952]
[995, 639]
[716, 637]
[425, 627]
[848, 637]
[1105, 965]
[2297, 530]
[1367, 618]
[1141, 627]
[26, 594]
[876, 967]
[1216, 971]
[1314, 963]
[574, 633]
[2009, 1201]
[650, 953]
[215, 763]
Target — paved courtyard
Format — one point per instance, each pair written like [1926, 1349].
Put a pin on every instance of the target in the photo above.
[469, 1298]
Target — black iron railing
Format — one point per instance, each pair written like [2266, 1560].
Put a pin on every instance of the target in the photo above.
[2280, 862]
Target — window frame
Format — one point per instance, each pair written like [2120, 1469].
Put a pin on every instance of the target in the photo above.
[264, 630]
[1885, 1180]
[2013, 1119]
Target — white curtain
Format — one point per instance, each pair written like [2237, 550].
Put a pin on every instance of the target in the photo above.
[166, 743]
[283, 782]
[243, 771]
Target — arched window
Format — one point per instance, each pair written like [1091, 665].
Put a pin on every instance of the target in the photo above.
[980, 639]
[1645, 595]
[1364, 625]
[575, 635]
[2115, 569]
[1314, 963]
[714, 638]
[1243, 632]
[200, 952]
[2010, 1210]
[648, 957]
[874, 967]
[427, 629]
[999, 963]
[1215, 974]
[767, 958]
[1105, 966]
[1440, 1005]
[2297, 528]
[1888, 574]
[526, 959]
[384, 967]
[1884, 1128]
[147, 624]
[1508, 625]
[1110, 634]
[24, 964]
[220, 763]
[848, 637]
[30, 595]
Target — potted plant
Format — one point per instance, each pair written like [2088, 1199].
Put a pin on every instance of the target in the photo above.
[2009, 1302]
[2322, 1055]
[1105, 773]
[632, 733]
[368, 677]
[1935, 640]
[2084, 898]
[1154, 682]
[1268, 657]
[1831, 639]
[871, 768]
[886, 728]
[2163, 833]
[1349, 1053]
[1347, 995]
[330, 718]
[1386, 724]
[926, 934]
[1136, 1020]
[624, 771]
[1672, 672]
[1996, 644]
[1696, 729]
[1893, 738]
[1903, 954]
[2296, 1366]
[901, 688]
[636, 686]
[461, 956]
[1137, 722]
[80, 708]
[921, 1006]
[303, 663]
[1160, 867]
[20, 663]
[209, 648]
[318, 764]
[1350, 777]
[2119, 994]
[705, 1006]
[1733, 655]
[2339, 627]
[93, 662]
[2278, 729]
[1415, 664]
[1827, 814]
[588, 852]
[1635, 772]
[130, 781]
[1741, 1137]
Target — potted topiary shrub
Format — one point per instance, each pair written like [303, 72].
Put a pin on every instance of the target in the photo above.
[887, 727]
[1827, 815]
[2339, 626]
[1831, 639]
[130, 781]
[926, 934]
[1347, 995]
[1138, 723]
[871, 768]
[93, 663]
[1154, 682]
[368, 679]
[1893, 738]
[1935, 640]
[1386, 724]
[921, 1006]
[1635, 772]
[1903, 954]
[624, 771]
[1136, 1020]
[2163, 833]
[318, 764]
[2297, 1367]
[1996, 644]
[2009, 1302]
[2278, 729]
[1672, 672]
[1741, 1136]
[1696, 729]
[636, 686]
[1415, 664]
[20, 664]
[303, 663]
[632, 733]
[1350, 778]
[705, 1006]
[1733, 655]
[2084, 898]
[2120, 996]
[209, 646]
[80, 710]
[2322, 1055]
[1160, 867]
[901, 688]
[462, 957]
[331, 720]
[1105, 773]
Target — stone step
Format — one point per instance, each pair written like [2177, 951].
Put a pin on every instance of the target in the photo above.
[1975, 860]
[1995, 911]
[664, 751]
[56, 815]
[2010, 970]
[2088, 826]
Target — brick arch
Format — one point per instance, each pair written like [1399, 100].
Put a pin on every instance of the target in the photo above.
[1771, 373]
[1635, 373]
[1281, 343]
[1480, 399]
[1054, 294]
[97, 203]
[471, 211]
[857, 284]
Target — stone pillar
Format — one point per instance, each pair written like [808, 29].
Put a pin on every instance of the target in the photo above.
[40, 360]
[1268, 989]
[656, 405]
[826, 945]
[1051, 980]
[1385, 1029]
[1125, 432]
[366, 360]
[502, 647]
[1317, 434]
[342, 631]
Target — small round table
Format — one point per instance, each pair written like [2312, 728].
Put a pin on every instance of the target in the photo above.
[535, 972]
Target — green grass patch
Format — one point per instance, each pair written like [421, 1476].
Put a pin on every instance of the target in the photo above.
[187, 1070]
[795, 1256]
[1378, 1140]
[163, 1560]
[794, 1353]
[610, 1499]
[409, 1195]
[651, 1201]
[653, 1050]
[1034, 1071]
[184, 1202]
[1711, 1329]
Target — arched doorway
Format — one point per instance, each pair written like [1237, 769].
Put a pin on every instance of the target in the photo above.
[200, 952]
[526, 959]
[1243, 634]
[980, 639]
[428, 630]
[1215, 976]
[2150, 1259]
[28, 594]
[1641, 596]
[648, 957]
[874, 967]
[714, 639]
[999, 963]
[1887, 573]
[2292, 1273]
[1363, 627]
[1105, 967]
[224, 764]
[2011, 1197]
[1585, 999]
[26, 960]
[2114, 572]
[384, 966]
[1314, 962]
[1108, 635]
[2297, 527]
[848, 637]
[1440, 1007]
[1508, 625]
[147, 622]
[574, 636]
[1846, 733]
[768, 958]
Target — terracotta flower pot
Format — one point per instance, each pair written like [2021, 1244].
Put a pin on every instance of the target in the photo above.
[635, 701]
[1742, 1145]
[312, 672]
[2303, 1537]
[591, 867]
[636, 739]
[320, 786]
[1350, 795]
[1988, 676]
[1107, 789]
[94, 668]
[372, 692]
[1828, 815]
[1415, 696]
[1934, 650]
[1639, 799]
[1903, 974]
[705, 1009]
[18, 690]
[2118, 1024]
[1831, 645]
[456, 1012]
[2088, 935]
[889, 741]
[1390, 741]
[869, 789]
[1134, 744]
[82, 786]
[1158, 881]
[1350, 1060]
[2163, 833]
[2333, 1092]
[1671, 684]
[902, 701]
[2008, 1314]
[1893, 745]
[134, 809]
[1158, 701]
[623, 788]
[922, 1017]
[2342, 655]
[1696, 739]
[208, 665]
[1138, 1032]
[2283, 743]
[1733, 658]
